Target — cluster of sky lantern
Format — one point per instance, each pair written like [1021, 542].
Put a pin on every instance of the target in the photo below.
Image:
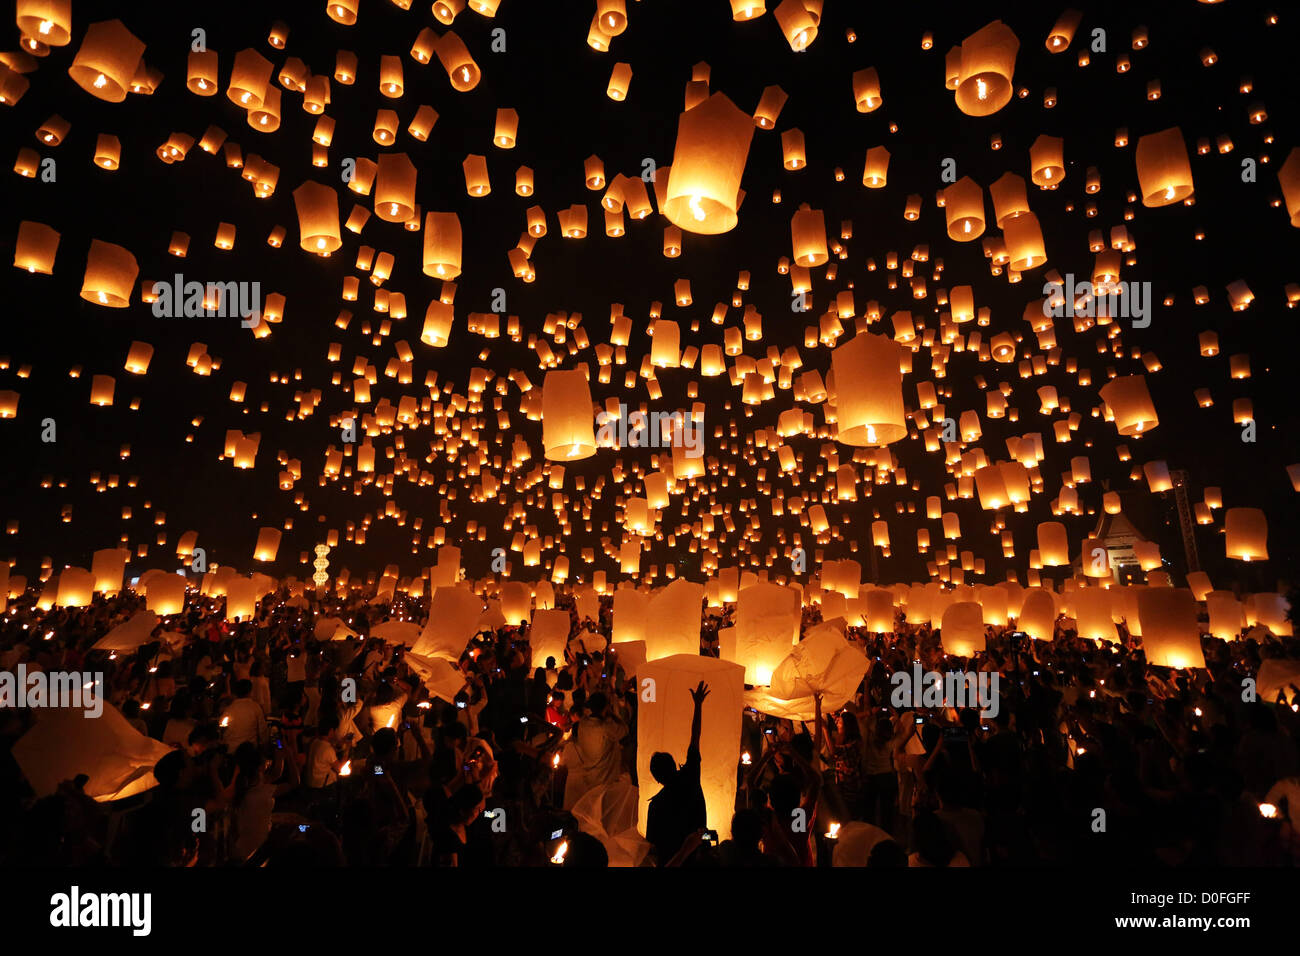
[768, 511]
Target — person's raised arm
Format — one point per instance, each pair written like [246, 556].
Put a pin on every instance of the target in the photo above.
[697, 695]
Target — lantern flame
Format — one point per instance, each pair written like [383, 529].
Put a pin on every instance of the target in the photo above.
[101, 81]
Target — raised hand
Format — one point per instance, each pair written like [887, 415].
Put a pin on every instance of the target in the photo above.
[699, 693]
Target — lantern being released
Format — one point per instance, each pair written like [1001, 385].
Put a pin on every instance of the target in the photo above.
[664, 713]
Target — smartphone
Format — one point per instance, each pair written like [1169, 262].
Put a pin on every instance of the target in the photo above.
[379, 771]
[556, 834]
[461, 703]
[523, 720]
[711, 836]
[304, 827]
[279, 744]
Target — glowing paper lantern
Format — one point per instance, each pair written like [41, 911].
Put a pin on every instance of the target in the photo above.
[453, 613]
[675, 612]
[108, 566]
[1024, 241]
[549, 636]
[268, 544]
[1246, 534]
[35, 248]
[808, 236]
[567, 419]
[1171, 636]
[516, 602]
[107, 60]
[1289, 179]
[318, 218]
[460, 66]
[49, 21]
[630, 611]
[1164, 171]
[241, 598]
[1093, 614]
[767, 625]
[166, 594]
[442, 245]
[962, 629]
[868, 391]
[1053, 545]
[1227, 615]
[963, 204]
[704, 181]
[76, 588]
[1037, 616]
[664, 725]
[1130, 403]
[988, 61]
[880, 611]
[111, 272]
[395, 188]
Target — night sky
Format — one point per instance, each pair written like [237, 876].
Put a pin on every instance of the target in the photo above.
[557, 84]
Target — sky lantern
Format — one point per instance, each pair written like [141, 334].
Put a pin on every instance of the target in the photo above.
[442, 245]
[1009, 198]
[1062, 32]
[568, 433]
[166, 595]
[964, 210]
[35, 247]
[48, 21]
[111, 272]
[1024, 239]
[1130, 402]
[460, 66]
[988, 60]
[767, 626]
[808, 236]
[1164, 171]
[769, 107]
[1246, 534]
[395, 187]
[866, 90]
[620, 79]
[1171, 636]
[108, 566]
[1288, 177]
[962, 629]
[796, 23]
[318, 218]
[869, 391]
[268, 544]
[250, 79]
[1047, 161]
[709, 159]
[107, 60]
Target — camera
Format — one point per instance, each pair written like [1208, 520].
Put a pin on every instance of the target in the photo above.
[711, 836]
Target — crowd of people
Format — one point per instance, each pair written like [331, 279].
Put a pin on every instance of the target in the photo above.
[310, 752]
